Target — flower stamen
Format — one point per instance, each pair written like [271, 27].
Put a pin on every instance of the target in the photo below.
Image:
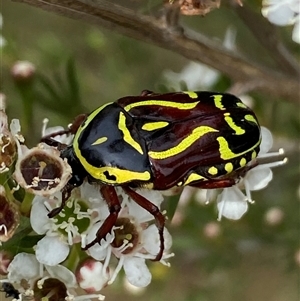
[117, 270]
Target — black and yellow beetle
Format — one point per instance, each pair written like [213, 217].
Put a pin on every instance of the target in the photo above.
[160, 141]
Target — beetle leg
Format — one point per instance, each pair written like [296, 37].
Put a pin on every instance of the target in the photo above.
[66, 193]
[52, 142]
[114, 206]
[73, 128]
[154, 210]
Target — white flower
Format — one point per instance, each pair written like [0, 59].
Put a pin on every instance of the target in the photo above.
[132, 240]
[40, 170]
[70, 226]
[232, 203]
[283, 12]
[196, 75]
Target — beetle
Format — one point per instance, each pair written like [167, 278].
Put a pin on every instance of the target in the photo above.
[159, 141]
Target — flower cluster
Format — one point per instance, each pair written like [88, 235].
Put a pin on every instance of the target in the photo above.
[284, 13]
[51, 254]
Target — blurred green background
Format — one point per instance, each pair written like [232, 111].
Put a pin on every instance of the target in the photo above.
[85, 66]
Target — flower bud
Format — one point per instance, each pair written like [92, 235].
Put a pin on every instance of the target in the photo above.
[212, 230]
[23, 72]
[91, 275]
[8, 148]
[274, 216]
[9, 217]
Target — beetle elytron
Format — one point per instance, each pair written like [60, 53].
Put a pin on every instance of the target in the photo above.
[160, 141]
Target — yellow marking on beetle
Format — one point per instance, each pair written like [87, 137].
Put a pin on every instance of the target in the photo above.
[184, 144]
[253, 155]
[218, 101]
[162, 103]
[100, 140]
[193, 177]
[238, 130]
[127, 135]
[121, 175]
[191, 94]
[82, 127]
[229, 167]
[241, 105]
[250, 118]
[243, 162]
[88, 120]
[227, 154]
[114, 175]
[213, 171]
[151, 126]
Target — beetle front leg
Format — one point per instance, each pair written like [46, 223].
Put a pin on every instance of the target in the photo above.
[66, 193]
[114, 207]
[73, 128]
[154, 210]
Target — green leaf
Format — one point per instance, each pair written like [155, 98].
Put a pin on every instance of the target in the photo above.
[21, 240]
[73, 82]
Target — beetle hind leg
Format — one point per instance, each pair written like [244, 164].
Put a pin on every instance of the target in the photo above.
[114, 206]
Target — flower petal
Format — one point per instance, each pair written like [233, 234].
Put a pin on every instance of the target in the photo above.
[278, 13]
[266, 141]
[137, 272]
[259, 177]
[51, 250]
[23, 266]
[296, 32]
[140, 213]
[39, 220]
[98, 251]
[62, 273]
[151, 241]
[232, 203]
